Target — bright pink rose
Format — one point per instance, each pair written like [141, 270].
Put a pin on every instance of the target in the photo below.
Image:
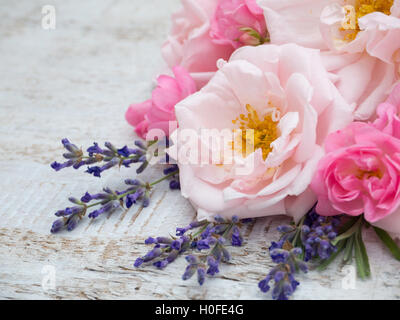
[233, 15]
[359, 174]
[359, 41]
[157, 112]
[388, 120]
[286, 96]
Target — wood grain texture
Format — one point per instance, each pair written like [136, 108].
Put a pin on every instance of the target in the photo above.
[76, 81]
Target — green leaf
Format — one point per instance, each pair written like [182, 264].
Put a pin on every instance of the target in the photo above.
[359, 262]
[362, 261]
[348, 252]
[388, 242]
[348, 233]
[327, 262]
[364, 254]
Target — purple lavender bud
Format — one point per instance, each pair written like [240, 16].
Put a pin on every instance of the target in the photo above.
[287, 289]
[86, 198]
[219, 219]
[107, 190]
[140, 144]
[319, 231]
[74, 200]
[296, 251]
[69, 156]
[303, 266]
[150, 240]
[219, 229]
[95, 149]
[170, 170]
[110, 164]
[57, 226]
[237, 239]
[142, 167]
[72, 222]
[285, 229]
[279, 255]
[164, 240]
[156, 252]
[213, 266]
[146, 200]
[138, 262]
[172, 256]
[127, 163]
[109, 207]
[133, 198]
[263, 285]
[181, 231]
[60, 213]
[110, 147]
[160, 264]
[305, 229]
[226, 254]
[276, 245]
[69, 146]
[174, 185]
[189, 272]
[96, 171]
[201, 275]
[235, 219]
[192, 259]
[59, 166]
[197, 224]
[279, 276]
[205, 244]
[206, 233]
[176, 245]
[125, 152]
[332, 235]
[133, 182]
[79, 164]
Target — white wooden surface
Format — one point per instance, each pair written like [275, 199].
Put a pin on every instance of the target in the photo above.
[76, 82]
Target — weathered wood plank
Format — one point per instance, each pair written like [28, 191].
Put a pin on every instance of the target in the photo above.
[76, 81]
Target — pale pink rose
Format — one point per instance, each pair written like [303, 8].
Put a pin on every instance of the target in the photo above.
[363, 81]
[290, 90]
[189, 43]
[359, 174]
[388, 120]
[233, 15]
[157, 112]
[364, 63]
[205, 31]
[374, 46]
[295, 21]
[376, 33]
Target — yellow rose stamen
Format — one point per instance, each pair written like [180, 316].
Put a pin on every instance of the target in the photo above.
[361, 9]
[362, 174]
[265, 131]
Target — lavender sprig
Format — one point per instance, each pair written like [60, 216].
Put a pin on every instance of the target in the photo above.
[107, 157]
[207, 247]
[313, 234]
[310, 239]
[288, 263]
[174, 184]
[107, 201]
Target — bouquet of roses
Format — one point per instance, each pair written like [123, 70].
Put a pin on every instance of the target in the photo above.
[268, 108]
